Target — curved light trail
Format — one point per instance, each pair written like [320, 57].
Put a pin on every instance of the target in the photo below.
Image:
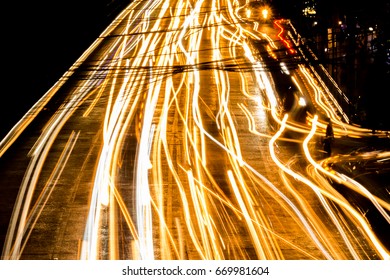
[184, 150]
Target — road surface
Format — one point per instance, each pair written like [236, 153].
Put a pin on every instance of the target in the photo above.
[188, 130]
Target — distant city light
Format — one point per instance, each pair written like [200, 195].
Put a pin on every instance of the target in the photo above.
[309, 11]
[264, 12]
[248, 13]
[302, 101]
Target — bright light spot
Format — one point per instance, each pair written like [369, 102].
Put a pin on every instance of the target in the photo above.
[284, 68]
[264, 12]
[302, 101]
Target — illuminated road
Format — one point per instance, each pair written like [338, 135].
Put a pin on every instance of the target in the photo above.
[188, 130]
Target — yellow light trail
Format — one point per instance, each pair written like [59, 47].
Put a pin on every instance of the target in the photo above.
[174, 84]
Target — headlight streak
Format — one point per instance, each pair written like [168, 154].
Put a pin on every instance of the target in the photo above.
[153, 76]
[381, 250]
[277, 191]
[39, 154]
[157, 153]
[144, 215]
[298, 177]
[189, 57]
[205, 227]
[147, 247]
[195, 107]
[236, 210]
[102, 179]
[163, 140]
[347, 181]
[224, 200]
[7, 141]
[14, 244]
[323, 201]
[247, 216]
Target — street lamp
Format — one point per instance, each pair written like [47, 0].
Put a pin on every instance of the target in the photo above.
[265, 12]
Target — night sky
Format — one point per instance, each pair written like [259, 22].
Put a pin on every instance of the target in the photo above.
[40, 42]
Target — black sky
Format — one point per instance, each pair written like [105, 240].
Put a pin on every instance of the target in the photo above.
[40, 41]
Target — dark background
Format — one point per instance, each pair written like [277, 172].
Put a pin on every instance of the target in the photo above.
[40, 42]
[360, 65]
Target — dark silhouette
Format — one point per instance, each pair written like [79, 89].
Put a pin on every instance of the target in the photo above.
[329, 130]
[329, 136]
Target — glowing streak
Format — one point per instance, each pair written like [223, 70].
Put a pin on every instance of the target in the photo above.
[373, 238]
[334, 219]
[281, 166]
[246, 215]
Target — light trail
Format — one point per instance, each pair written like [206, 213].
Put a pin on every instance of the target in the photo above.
[188, 157]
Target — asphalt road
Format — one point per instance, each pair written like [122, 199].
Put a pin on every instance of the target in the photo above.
[184, 132]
